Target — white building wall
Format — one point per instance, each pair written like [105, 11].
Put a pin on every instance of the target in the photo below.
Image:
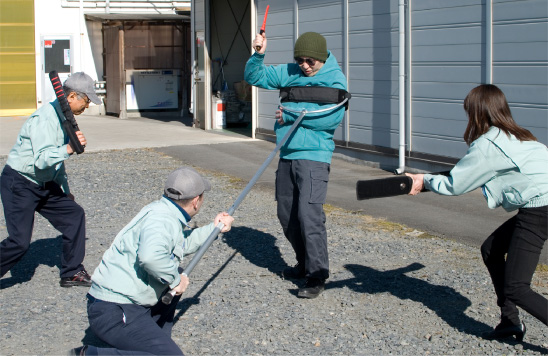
[65, 19]
[54, 21]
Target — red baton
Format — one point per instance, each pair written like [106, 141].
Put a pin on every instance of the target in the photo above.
[258, 48]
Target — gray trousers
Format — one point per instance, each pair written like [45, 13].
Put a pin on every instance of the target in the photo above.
[301, 189]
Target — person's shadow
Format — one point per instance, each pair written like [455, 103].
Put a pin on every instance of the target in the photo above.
[257, 247]
[254, 245]
[41, 252]
[445, 301]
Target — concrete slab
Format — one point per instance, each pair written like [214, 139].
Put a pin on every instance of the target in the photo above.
[107, 132]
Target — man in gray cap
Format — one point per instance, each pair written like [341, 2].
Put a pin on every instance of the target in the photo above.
[124, 306]
[34, 180]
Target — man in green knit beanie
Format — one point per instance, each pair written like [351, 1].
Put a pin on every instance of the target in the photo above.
[303, 168]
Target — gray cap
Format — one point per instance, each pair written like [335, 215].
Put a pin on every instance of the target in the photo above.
[185, 183]
[82, 83]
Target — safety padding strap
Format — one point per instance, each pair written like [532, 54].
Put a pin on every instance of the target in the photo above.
[321, 95]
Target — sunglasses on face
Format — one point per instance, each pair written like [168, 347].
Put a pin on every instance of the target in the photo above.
[309, 61]
[84, 97]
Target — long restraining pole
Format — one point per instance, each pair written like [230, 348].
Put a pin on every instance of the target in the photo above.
[242, 196]
[168, 297]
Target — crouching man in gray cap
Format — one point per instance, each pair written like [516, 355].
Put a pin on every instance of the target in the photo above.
[124, 306]
[34, 180]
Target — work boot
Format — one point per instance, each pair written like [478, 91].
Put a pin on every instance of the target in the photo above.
[313, 288]
[295, 272]
[81, 278]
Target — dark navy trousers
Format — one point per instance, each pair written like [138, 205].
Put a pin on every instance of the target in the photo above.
[132, 329]
[301, 190]
[21, 198]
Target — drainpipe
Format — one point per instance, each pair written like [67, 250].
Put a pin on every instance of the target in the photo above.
[81, 16]
[295, 20]
[489, 42]
[346, 67]
[401, 64]
[192, 57]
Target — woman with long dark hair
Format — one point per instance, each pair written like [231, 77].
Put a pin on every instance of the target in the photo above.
[511, 167]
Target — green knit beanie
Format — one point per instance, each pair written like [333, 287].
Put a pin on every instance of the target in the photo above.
[311, 44]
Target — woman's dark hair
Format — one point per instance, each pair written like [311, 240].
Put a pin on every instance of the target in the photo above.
[486, 106]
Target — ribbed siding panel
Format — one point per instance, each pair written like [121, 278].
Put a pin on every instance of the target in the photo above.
[448, 58]
[373, 72]
[520, 61]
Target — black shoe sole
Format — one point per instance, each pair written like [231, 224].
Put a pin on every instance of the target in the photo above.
[74, 284]
[506, 333]
[306, 294]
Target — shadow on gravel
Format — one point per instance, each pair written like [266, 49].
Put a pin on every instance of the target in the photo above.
[186, 303]
[447, 303]
[254, 245]
[40, 252]
[444, 301]
[257, 247]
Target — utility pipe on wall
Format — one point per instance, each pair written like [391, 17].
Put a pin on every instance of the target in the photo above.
[192, 58]
[81, 43]
[295, 21]
[346, 66]
[401, 65]
[489, 42]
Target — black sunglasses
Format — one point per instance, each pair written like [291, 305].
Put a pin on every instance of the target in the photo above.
[309, 61]
[83, 96]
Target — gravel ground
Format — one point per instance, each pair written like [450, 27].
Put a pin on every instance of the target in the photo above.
[393, 290]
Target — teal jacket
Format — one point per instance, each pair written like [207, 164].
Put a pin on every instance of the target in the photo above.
[512, 174]
[41, 147]
[144, 258]
[313, 139]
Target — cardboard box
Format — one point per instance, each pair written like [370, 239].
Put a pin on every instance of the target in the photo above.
[243, 90]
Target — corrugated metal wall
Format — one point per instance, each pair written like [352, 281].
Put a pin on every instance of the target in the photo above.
[373, 73]
[448, 58]
[280, 36]
[520, 60]
[450, 55]
[449, 52]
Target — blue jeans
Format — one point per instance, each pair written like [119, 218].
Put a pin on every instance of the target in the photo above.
[520, 239]
[21, 198]
[301, 190]
[132, 329]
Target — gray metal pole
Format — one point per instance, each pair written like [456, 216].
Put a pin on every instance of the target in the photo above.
[242, 196]
[166, 299]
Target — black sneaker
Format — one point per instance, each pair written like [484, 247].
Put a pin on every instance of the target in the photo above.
[295, 272]
[313, 288]
[505, 330]
[81, 278]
